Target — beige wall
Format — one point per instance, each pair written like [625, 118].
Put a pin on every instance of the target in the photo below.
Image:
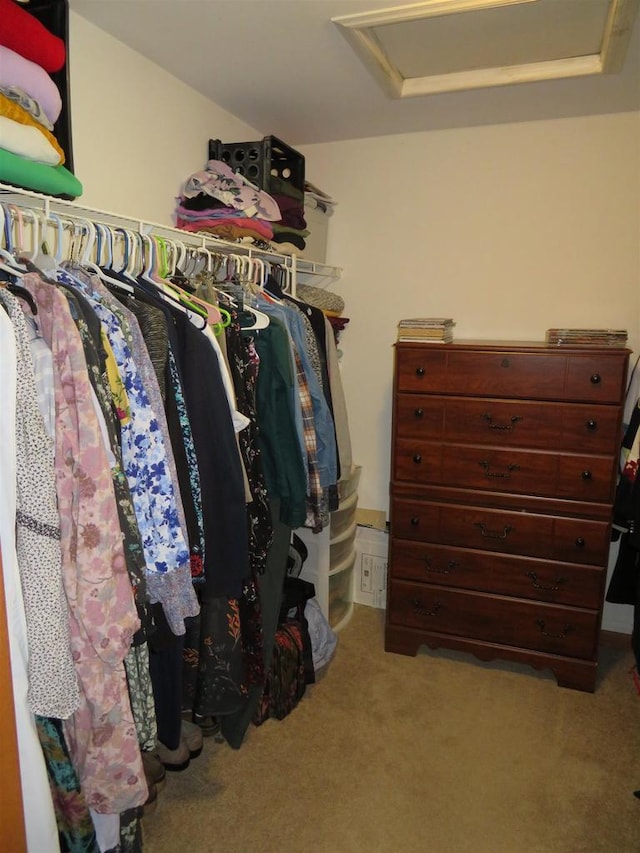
[138, 132]
[509, 229]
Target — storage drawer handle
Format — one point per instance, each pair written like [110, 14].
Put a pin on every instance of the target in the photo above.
[505, 475]
[586, 475]
[419, 608]
[418, 413]
[493, 534]
[596, 379]
[419, 371]
[566, 630]
[415, 521]
[417, 458]
[592, 425]
[580, 542]
[451, 565]
[537, 585]
[490, 424]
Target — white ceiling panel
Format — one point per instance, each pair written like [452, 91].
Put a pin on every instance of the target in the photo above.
[486, 38]
[284, 67]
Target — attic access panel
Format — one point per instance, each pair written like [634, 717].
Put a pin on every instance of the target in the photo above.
[450, 45]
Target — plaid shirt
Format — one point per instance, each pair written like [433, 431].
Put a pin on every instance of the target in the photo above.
[314, 496]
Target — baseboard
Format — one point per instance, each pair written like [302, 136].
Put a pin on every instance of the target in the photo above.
[616, 639]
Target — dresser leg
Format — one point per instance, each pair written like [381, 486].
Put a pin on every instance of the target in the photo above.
[401, 642]
[579, 676]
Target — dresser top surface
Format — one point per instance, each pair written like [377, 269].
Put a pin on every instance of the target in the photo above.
[515, 346]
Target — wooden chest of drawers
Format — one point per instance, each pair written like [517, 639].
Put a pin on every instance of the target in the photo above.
[503, 474]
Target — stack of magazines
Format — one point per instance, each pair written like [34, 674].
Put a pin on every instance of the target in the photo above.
[428, 330]
[594, 337]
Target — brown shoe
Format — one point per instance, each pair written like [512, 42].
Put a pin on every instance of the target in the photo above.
[191, 735]
[209, 727]
[174, 759]
[154, 769]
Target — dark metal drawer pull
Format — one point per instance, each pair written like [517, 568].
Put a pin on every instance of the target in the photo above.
[535, 583]
[489, 419]
[415, 521]
[419, 413]
[417, 459]
[566, 630]
[586, 475]
[596, 379]
[419, 371]
[493, 534]
[419, 608]
[506, 475]
[451, 565]
[580, 542]
[592, 425]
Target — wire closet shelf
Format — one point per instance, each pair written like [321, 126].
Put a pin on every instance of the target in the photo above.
[50, 209]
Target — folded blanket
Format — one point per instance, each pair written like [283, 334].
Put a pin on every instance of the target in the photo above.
[15, 70]
[10, 109]
[54, 180]
[20, 31]
[27, 142]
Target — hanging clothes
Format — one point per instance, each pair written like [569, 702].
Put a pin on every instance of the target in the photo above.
[103, 616]
[53, 686]
[152, 489]
[40, 823]
[199, 450]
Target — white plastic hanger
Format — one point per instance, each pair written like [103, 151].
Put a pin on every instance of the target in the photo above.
[9, 264]
[88, 264]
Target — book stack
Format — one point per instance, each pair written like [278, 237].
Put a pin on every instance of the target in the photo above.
[428, 330]
[582, 337]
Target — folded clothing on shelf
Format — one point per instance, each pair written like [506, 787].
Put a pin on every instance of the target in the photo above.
[22, 32]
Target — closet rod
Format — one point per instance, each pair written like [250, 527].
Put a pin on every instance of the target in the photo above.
[70, 209]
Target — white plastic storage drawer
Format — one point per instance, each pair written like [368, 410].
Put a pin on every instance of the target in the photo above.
[343, 517]
[349, 484]
[342, 546]
[340, 591]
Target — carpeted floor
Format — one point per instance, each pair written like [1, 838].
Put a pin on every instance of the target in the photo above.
[435, 754]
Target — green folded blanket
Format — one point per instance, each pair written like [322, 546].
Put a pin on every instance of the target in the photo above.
[53, 180]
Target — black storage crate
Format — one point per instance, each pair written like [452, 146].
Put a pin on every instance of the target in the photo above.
[259, 161]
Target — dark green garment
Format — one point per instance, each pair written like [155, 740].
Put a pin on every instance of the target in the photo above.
[75, 827]
[282, 460]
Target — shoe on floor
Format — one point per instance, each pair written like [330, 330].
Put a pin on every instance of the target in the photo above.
[153, 769]
[191, 735]
[209, 726]
[174, 759]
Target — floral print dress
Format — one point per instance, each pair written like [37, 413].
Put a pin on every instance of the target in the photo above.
[101, 734]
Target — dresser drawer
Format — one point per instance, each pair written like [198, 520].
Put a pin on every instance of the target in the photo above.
[523, 577]
[544, 374]
[573, 540]
[508, 621]
[571, 427]
[584, 478]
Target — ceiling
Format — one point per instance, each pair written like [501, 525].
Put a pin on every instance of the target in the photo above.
[286, 68]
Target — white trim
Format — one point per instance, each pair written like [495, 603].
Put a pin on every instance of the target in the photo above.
[360, 33]
[417, 11]
[617, 32]
[482, 78]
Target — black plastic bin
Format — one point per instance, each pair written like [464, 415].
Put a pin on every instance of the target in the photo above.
[259, 161]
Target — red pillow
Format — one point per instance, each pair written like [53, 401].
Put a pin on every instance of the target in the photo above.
[21, 32]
